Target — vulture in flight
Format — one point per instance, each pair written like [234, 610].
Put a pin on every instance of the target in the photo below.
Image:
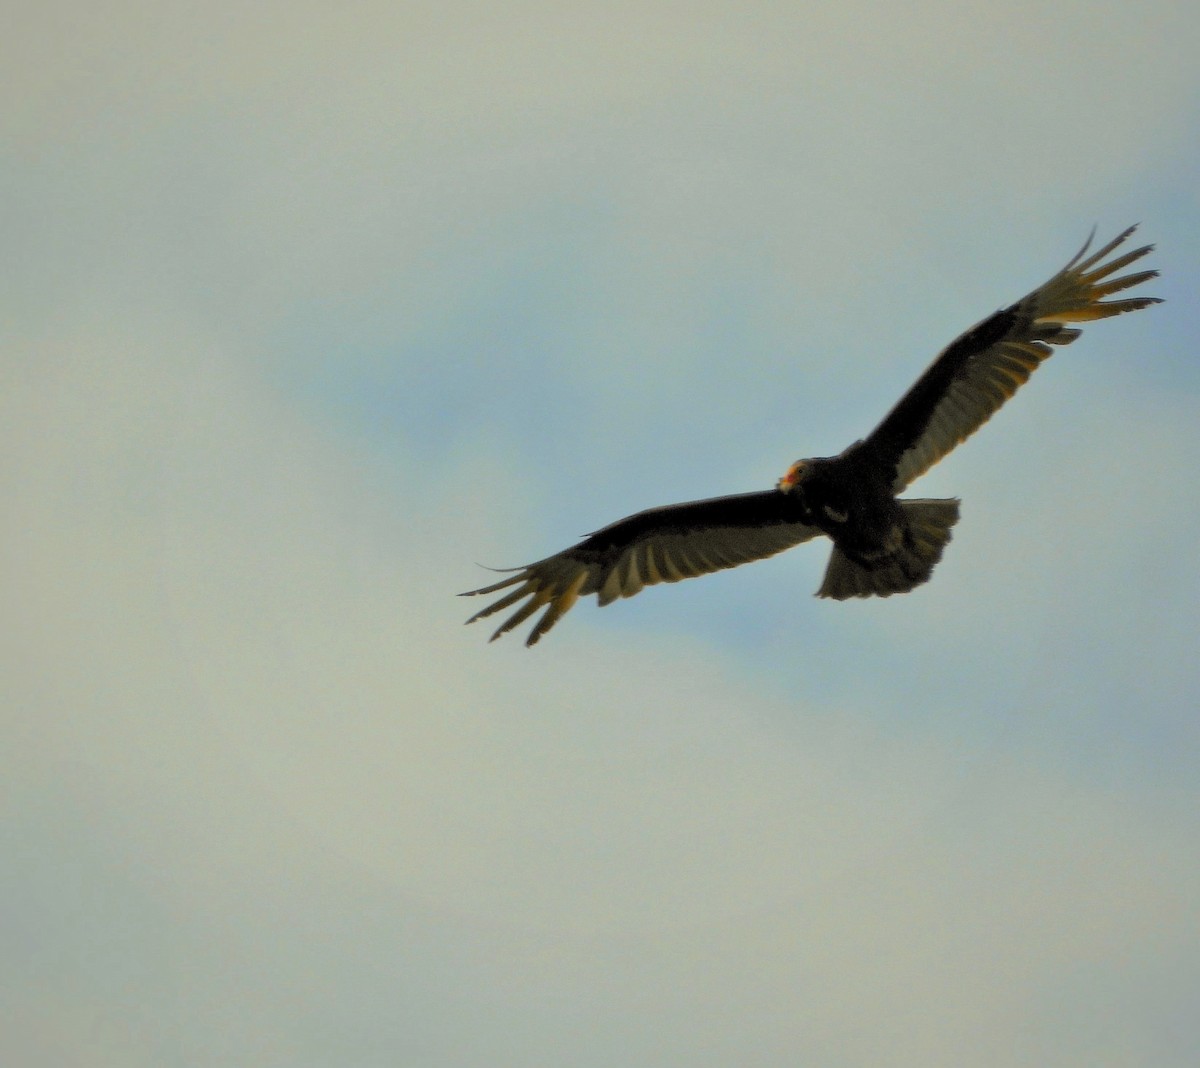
[881, 544]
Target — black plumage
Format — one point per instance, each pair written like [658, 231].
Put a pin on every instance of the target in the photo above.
[881, 544]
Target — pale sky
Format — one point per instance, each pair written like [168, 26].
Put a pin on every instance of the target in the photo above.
[309, 310]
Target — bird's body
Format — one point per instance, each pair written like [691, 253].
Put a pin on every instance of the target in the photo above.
[849, 498]
[882, 544]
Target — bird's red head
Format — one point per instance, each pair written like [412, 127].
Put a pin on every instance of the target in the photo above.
[796, 474]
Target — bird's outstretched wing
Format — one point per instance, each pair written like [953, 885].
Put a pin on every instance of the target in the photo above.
[980, 370]
[659, 545]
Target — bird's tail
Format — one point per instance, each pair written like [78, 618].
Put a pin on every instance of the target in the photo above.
[929, 523]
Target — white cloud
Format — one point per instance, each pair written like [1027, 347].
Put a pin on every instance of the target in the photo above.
[269, 801]
[239, 685]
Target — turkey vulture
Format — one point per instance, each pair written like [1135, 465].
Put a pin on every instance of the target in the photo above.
[881, 545]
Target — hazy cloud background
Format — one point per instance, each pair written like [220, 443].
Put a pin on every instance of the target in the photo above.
[307, 310]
